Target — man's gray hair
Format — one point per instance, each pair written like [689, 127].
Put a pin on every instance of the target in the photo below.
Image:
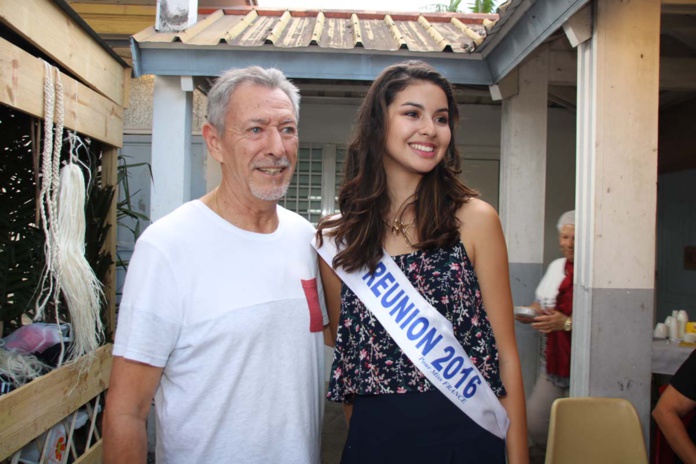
[225, 85]
[566, 219]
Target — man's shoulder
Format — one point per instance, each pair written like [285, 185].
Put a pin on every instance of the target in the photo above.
[684, 380]
[181, 223]
[295, 221]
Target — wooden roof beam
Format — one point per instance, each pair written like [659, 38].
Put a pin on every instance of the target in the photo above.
[678, 6]
[507, 87]
[86, 111]
[578, 28]
[42, 24]
[675, 73]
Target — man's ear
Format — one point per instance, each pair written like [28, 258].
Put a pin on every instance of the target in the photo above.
[213, 141]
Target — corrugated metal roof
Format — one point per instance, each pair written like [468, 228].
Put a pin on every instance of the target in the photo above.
[247, 27]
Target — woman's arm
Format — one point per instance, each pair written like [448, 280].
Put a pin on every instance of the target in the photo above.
[483, 237]
[332, 295]
[670, 408]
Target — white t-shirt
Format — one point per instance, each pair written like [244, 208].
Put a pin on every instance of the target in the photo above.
[235, 318]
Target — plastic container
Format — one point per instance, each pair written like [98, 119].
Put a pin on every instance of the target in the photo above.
[682, 319]
[673, 329]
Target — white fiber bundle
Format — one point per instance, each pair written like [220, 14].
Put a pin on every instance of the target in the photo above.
[20, 368]
[80, 287]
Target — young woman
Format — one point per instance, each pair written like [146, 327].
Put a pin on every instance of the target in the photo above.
[402, 196]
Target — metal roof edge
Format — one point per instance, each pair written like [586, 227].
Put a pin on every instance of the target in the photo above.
[137, 59]
[311, 49]
[345, 66]
[534, 26]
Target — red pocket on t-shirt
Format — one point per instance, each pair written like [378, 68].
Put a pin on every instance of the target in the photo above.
[316, 320]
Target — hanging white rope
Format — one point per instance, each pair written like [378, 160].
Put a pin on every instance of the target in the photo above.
[20, 368]
[45, 196]
[59, 117]
[62, 202]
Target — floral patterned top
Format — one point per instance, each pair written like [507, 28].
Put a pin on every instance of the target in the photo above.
[367, 361]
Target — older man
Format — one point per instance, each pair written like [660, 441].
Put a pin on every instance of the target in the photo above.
[222, 314]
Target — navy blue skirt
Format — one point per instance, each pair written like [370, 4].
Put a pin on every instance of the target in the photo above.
[417, 428]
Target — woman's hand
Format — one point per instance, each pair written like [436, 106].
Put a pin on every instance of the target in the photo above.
[551, 321]
[527, 319]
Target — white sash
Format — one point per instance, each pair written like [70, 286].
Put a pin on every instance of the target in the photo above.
[425, 336]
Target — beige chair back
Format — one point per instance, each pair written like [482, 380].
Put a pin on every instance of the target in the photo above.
[595, 430]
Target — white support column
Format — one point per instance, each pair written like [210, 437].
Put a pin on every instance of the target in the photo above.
[618, 84]
[522, 193]
[523, 175]
[171, 146]
[176, 15]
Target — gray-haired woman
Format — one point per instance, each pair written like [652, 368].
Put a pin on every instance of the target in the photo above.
[554, 307]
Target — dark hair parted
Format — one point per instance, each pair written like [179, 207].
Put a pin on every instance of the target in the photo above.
[364, 198]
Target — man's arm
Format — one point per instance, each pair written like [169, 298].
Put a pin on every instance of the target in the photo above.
[131, 389]
[668, 412]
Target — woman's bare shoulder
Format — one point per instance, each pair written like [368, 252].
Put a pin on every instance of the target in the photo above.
[478, 224]
[477, 216]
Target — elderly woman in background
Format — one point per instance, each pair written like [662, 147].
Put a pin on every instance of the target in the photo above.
[554, 309]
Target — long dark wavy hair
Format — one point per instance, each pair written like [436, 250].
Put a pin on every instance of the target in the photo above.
[364, 198]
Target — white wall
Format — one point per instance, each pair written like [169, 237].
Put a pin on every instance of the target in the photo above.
[560, 176]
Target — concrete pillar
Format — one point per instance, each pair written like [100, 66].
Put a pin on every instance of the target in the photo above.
[618, 85]
[522, 190]
[171, 146]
